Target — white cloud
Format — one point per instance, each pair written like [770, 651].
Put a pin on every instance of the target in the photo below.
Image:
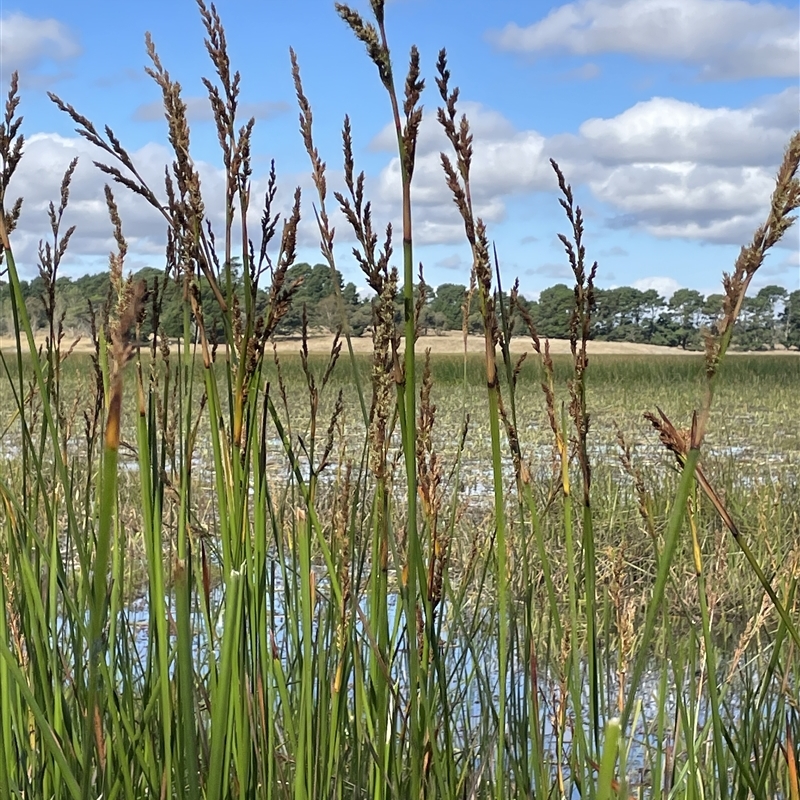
[485, 123]
[25, 42]
[453, 261]
[505, 162]
[668, 168]
[665, 166]
[727, 39]
[666, 287]
[677, 169]
[198, 109]
[687, 200]
[38, 178]
[665, 130]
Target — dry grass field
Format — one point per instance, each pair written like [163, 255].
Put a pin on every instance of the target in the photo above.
[449, 343]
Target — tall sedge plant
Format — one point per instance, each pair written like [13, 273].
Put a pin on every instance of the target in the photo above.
[416, 604]
[458, 181]
[785, 199]
[191, 259]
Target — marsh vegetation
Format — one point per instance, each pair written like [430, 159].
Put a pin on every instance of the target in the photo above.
[227, 573]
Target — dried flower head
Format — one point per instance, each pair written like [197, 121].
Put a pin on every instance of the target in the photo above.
[367, 33]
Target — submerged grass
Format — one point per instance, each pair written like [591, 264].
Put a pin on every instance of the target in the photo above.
[247, 576]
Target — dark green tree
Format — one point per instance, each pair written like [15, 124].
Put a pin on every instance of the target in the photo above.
[685, 307]
[619, 313]
[712, 309]
[554, 311]
[790, 320]
[317, 285]
[757, 327]
[447, 302]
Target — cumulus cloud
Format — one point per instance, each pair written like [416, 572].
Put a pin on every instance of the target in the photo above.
[722, 39]
[506, 162]
[198, 109]
[38, 178]
[26, 42]
[676, 169]
[686, 200]
[664, 166]
[452, 262]
[666, 287]
[666, 130]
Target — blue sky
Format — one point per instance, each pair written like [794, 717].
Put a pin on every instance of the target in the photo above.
[669, 117]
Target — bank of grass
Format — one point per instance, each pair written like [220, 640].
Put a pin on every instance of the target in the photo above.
[402, 578]
[753, 455]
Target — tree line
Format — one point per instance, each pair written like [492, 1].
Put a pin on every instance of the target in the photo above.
[769, 319]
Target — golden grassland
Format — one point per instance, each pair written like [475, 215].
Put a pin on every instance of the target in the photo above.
[449, 343]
